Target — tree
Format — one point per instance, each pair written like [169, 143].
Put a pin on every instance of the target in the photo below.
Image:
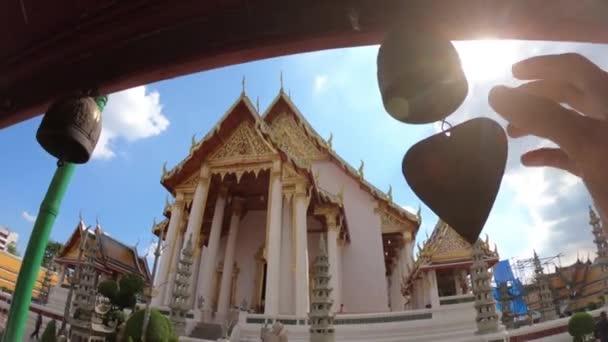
[52, 249]
[12, 248]
[159, 328]
[122, 294]
[50, 332]
[581, 326]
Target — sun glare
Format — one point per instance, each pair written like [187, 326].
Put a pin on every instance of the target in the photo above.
[486, 59]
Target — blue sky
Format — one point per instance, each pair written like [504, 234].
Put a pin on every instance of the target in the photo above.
[337, 92]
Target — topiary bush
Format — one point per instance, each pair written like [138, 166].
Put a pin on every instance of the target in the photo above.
[580, 326]
[50, 332]
[159, 327]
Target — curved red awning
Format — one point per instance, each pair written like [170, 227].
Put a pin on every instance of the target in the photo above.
[52, 48]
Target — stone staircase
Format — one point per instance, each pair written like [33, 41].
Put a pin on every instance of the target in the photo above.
[57, 298]
[207, 331]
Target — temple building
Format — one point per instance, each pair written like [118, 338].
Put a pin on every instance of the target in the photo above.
[254, 195]
[113, 258]
[582, 284]
[441, 274]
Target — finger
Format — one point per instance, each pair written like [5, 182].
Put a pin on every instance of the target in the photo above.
[515, 132]
[552, 157]
[560, 92]
[569, 68]
[539, 116]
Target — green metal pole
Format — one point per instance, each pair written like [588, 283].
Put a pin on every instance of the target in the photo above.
[22, 298]
[34, 253]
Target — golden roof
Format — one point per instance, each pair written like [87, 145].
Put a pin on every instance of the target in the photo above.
[446, 246]
[113, 256]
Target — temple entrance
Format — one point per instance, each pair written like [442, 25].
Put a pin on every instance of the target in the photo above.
[446, 282]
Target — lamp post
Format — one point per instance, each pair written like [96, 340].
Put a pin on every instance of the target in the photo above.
[69, 131]
[149, 295]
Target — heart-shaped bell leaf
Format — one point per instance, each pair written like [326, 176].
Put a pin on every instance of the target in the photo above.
[457, 173]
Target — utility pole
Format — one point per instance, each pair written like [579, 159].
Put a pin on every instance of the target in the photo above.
[151, 288]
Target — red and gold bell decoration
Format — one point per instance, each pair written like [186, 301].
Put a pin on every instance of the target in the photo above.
[71, 128]
[420, 76]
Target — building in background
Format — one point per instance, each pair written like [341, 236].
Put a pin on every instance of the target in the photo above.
[7, 237]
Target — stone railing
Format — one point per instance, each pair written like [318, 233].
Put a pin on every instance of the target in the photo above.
[345, 319]
[449, 300]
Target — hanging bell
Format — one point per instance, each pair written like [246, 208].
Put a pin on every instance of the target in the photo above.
[71, 127]
[420, 76]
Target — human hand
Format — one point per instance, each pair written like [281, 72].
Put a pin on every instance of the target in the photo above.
[534, 108]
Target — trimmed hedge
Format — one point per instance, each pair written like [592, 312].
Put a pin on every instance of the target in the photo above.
[159, 327]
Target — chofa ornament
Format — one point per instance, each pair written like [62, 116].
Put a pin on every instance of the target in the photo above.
[457, 172]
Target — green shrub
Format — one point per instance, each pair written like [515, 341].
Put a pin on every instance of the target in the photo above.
[108, 288]
[580, 325]
[159, 327]
[50, 332]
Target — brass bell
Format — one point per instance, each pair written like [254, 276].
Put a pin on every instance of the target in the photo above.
[420, 76]
[71, 127]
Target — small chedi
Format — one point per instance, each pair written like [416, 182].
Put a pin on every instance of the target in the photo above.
[487, 319]
[180, 303]
[321, 318]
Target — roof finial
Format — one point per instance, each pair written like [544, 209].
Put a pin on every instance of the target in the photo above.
[390, 192]
[164, 169]
[257, 104]
[80, 215]
[243, 85]
[316, 175]
[97, 221]
[330, 140]
[154, 222]
[281, 79]
[361, 166]
[167, 201]
[193, 142]
[289, 93]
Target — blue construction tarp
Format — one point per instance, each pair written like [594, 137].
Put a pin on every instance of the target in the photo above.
[504, 274]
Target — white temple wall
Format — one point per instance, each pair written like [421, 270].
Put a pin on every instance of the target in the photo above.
[251, 237]
[363, 271]
[287, 304]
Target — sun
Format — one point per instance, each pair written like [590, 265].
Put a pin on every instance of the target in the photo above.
[486, 59]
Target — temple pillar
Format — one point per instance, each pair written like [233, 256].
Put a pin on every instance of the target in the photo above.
[433, 289]
[210, 260]
[287, 297]
[195, 221]
[226, 284]
[162, 279]
[61, 276]
[199, 283]
[300, 208]
[196, 272]
[273, 240]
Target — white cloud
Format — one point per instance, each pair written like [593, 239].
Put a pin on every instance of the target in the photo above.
[28, 217]
[131, 115]
[320, 83]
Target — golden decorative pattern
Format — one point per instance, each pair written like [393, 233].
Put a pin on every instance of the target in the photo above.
[293, 140]
[451, 242]
[243, 142]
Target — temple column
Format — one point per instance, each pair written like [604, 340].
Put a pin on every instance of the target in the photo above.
[61, 277]
[433, 289]
[273, 240]
[162, 279]
[300, 208]
[195, 221]
[209, 263]
[226, 284]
